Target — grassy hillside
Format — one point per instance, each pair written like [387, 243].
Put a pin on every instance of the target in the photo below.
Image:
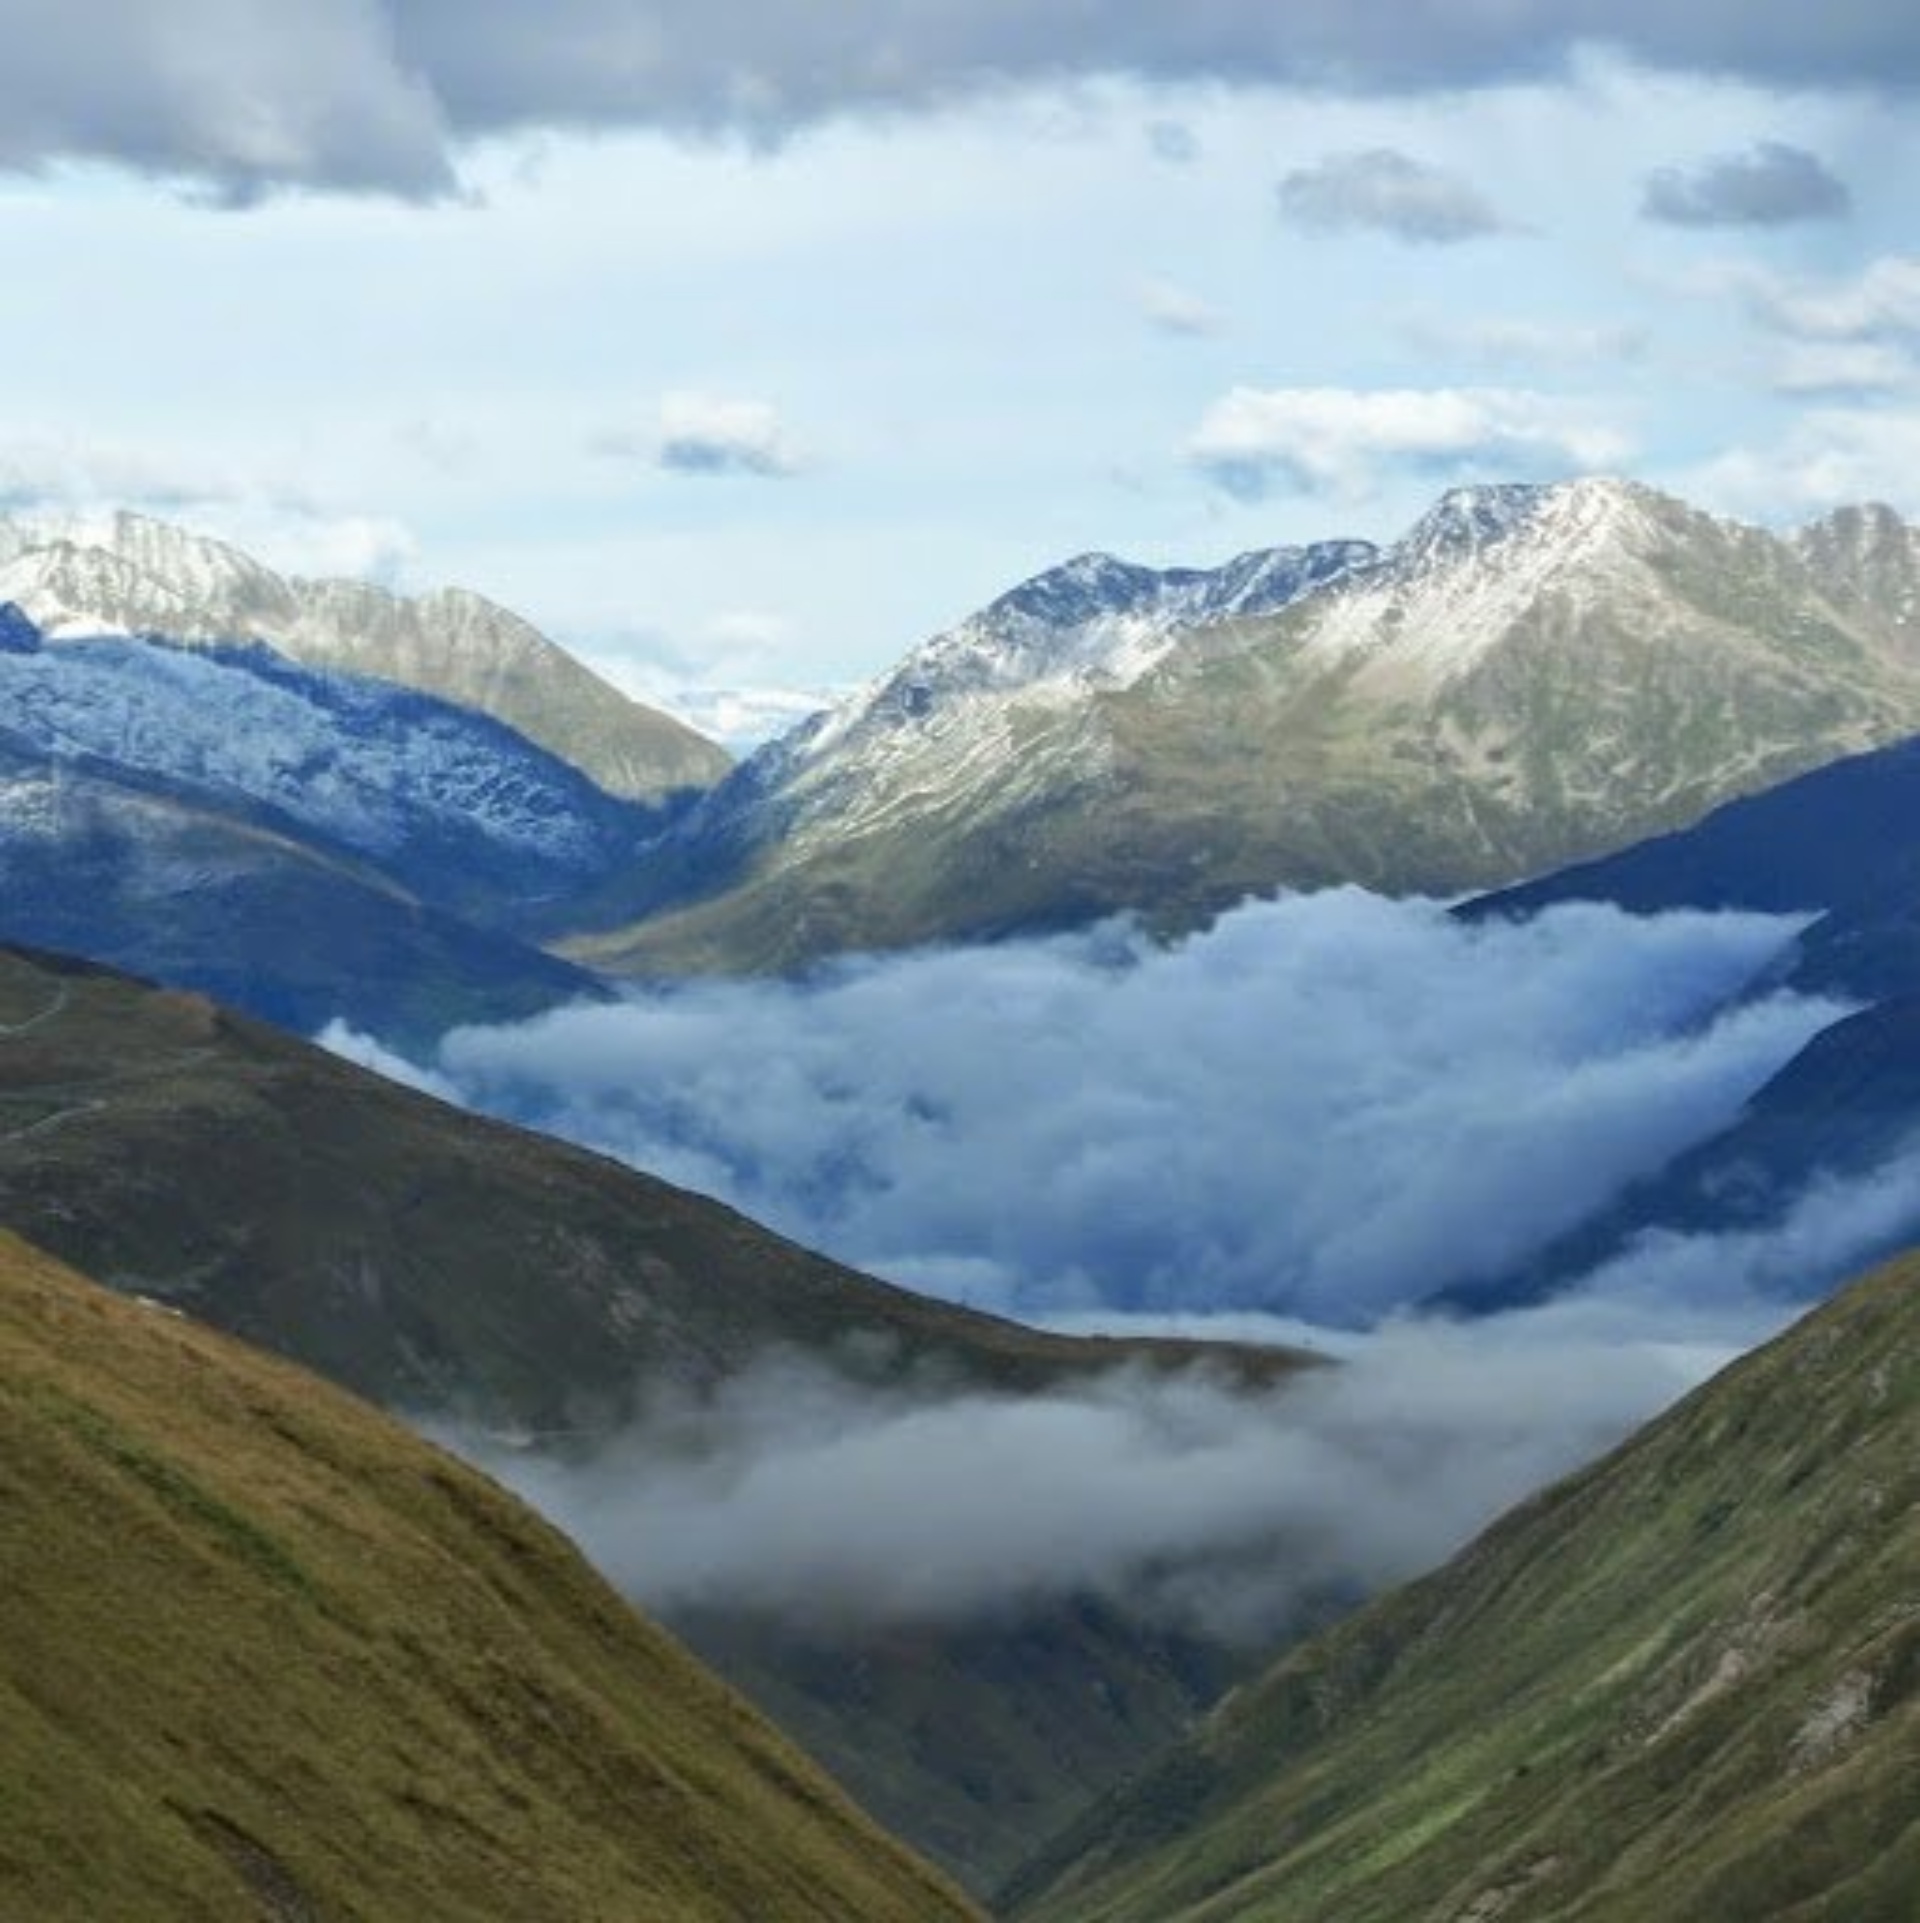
[440, 1263]
[267, 1656]
[1683, 1686]
[424, 1257]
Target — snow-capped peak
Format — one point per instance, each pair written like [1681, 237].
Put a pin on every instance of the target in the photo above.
[122, 574]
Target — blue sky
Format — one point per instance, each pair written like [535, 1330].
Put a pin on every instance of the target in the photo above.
[737, 356]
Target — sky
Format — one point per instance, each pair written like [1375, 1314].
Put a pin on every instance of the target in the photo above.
[743, 347]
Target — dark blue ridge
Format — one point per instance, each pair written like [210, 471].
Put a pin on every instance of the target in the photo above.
[18, 635]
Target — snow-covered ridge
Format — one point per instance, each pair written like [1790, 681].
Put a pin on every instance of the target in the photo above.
[386, 772]
[125, 574]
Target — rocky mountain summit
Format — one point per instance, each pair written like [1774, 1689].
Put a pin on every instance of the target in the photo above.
[1533, 675]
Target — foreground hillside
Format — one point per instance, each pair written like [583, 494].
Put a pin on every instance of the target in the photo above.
[1683, 1685]
[267, 1655]
[442, 1264]
[1531, 676]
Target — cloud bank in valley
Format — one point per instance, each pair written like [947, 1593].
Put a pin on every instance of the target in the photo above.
[1185, 1499]
[1315, 1114]
[1329, 1106]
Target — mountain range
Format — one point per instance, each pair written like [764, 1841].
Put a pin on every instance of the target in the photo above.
[1531, 676]
[306, 843]
[1841, 847]
[1685, 1673]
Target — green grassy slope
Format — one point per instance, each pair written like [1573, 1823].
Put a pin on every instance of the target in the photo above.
[267, 1656]
[439, 1263]
[1682, 1687]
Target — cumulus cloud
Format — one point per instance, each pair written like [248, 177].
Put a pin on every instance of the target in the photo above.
[1769, 185]
[246, 95]
[234, 96]
[1326, 1106]
[1184, 1498]
[1173, 309]
[1191, 1499]
[1385, 192]
[1173, 141]
[1335, 440]
[1837, 1226]
[711, 434]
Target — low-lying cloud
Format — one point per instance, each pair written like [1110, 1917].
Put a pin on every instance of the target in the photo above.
[1184, 1500]
[1328, 1106]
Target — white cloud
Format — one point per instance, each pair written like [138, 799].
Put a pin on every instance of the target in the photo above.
[1855, 368]
[1383, 191]
[710, 434]
[1881, 303]
[1174, 309]
[1829, 457]
[1332, 440]
[246, 95]
[66, 480]
[1502, 340]
[1181, 1498]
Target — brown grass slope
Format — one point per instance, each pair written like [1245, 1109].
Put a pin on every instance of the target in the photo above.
[1681, 1687]
[439, 1263]
[426, 1258]
[268, 1656]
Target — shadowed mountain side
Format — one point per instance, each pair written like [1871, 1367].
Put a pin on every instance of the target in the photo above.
[1683, 1684]
[425, 1257]
[204, 900]
[268, 1655]
[1843, 1107]
[975, 1740]
[1842, 843]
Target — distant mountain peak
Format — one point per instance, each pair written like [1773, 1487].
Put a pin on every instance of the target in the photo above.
[123, 573]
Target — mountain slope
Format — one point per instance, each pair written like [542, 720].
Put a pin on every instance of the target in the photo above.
[269, 1655]
[530, 1292]
[1532, 675]
[424, 1257]
[169, 888]
[132, 575]
[1683, 1685]
[454, 807]
[1842, 845]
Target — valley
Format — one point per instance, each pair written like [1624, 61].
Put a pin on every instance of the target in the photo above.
[1072, 1601]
